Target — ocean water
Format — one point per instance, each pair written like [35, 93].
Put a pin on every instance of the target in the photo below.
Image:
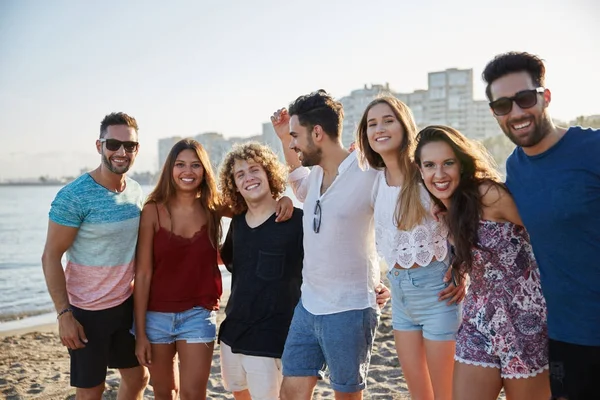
[24, 298]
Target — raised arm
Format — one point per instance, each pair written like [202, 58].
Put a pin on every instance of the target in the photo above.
[143, 278]
[281, 124]
[58, 240]
[298, 177]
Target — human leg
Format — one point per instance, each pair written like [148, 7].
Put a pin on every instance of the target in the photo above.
[475, 382]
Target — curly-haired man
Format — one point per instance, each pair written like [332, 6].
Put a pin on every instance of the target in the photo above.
[265, 259]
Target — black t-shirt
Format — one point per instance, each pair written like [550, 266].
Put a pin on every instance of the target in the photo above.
[266, 267]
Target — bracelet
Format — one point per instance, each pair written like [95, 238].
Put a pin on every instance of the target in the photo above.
[66, 310]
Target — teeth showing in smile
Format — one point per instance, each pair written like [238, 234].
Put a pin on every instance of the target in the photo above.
[187, 180]
[441, 185]
[522, 125]
[382, 139]
[119, 160]
[254, 186]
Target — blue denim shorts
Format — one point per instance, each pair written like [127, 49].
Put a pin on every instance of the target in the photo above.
[196, 325]
[415, 303]
[341, 342]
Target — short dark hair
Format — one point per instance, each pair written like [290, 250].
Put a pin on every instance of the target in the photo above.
[508, 63]
[117, 118]
[319, 108]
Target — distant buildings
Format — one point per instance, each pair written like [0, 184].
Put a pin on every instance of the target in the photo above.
[215, 144]
[164, 147]
[448, 100]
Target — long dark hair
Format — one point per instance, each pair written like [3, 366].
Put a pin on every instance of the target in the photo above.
[208, 195]
[477, 167]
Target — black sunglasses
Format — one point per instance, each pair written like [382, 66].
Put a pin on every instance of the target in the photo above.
[317, 218]
[114, 145]
[524, 99]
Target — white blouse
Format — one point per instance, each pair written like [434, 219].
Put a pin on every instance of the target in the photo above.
[406, 248]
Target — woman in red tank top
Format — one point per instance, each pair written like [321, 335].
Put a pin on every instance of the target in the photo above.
[178, 283]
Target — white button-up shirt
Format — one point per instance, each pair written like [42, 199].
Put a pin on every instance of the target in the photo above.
[341, 266]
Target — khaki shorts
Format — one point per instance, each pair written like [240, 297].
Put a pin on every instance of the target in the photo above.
[262, 376]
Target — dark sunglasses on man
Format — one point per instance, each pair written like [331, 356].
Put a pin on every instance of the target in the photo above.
[524, 99]
[114, 145]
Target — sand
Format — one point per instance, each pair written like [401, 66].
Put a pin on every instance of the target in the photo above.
[34, 365]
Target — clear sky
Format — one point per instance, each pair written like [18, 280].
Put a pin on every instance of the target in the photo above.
[186, 67]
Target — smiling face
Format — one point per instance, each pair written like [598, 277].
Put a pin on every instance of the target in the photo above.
[251, 180]
[384, 132]
[119, 161]
[302, 143]
[525, 127]
[188, 171]
[440, 170]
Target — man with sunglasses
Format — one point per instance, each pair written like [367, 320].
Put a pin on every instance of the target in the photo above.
[554, 177]
[94, 220]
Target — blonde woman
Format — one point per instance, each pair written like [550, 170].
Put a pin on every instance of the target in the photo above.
[415, 249]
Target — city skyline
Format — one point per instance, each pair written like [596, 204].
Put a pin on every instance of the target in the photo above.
[189, 67]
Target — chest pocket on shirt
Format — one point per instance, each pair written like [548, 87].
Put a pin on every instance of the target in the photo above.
[270, 265]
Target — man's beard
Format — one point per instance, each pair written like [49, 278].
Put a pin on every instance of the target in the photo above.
[114, 169]
[542, 126]
[313, 157]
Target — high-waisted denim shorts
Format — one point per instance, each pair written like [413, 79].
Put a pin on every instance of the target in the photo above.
[196, 325]
[415, 303]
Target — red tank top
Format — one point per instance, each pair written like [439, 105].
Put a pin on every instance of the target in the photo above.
[185, 273]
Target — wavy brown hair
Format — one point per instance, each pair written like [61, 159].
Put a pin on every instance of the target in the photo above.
[477, 168]
[166, 189]
[260, 154]
[409, 209]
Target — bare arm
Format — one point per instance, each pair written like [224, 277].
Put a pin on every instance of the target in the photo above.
[498, 205]
[58, 241]
[143, 278]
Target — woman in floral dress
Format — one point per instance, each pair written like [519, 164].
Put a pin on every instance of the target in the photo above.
[502, 340]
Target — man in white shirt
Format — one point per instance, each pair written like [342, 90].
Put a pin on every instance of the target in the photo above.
[335, 321]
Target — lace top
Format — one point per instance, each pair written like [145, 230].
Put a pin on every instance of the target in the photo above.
[405, 248]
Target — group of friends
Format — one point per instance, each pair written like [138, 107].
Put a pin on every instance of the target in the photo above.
[493, 285]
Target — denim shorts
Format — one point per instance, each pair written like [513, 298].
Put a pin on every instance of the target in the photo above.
[341, 342]
[415, 303]
[196, 325]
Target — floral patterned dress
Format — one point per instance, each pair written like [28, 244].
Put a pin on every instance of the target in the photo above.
[504, 315]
